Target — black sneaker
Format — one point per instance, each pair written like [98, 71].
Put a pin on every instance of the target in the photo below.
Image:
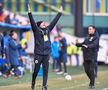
[91, 87]
[32, 89]
[32, 86]
[44, 88]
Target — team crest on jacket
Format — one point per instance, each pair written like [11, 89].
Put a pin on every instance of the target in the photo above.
[36, 61]
[91, 38]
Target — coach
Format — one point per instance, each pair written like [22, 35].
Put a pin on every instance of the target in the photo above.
[90, 48]
[41, 31]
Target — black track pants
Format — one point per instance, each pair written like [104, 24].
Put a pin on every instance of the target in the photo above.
[44, 60]
[89, 67]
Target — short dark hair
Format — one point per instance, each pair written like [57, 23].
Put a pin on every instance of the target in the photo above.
[92, 26]
[4, 33]
[12, 32]
[39, 23]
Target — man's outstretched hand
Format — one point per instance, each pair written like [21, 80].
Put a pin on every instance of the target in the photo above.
[61, 9]
[29, 10]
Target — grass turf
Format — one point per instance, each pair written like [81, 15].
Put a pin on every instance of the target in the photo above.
[57, 82]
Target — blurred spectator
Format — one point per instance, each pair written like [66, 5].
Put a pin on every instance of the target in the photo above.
[14, 20]
[63, 54]
[76, 51]
[55, 53]
[13, 52]
[58, 28]
[2, 17]
[1, 13]
[1, 55]
[1, 46]
[23, 44]
[3, 67]
[7, 19]
[6, 46]
[3, 62]
[1, 8]
[69, 52]
[22, 52]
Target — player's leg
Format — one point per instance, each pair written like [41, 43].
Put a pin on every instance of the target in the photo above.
[54, 65]
[77, 59]
[45, 64]
[92, 74]
[37, 63]
[69, 56]
[60, 67]
[60, 60]
[96, 68]
[64, 62]
[96, 65]
[87, 68]
[65, 68]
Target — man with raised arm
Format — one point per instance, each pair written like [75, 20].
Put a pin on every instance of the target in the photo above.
[42, 49]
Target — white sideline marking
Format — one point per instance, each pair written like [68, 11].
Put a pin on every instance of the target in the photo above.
[80, 85]
[68, 88]
[105, 88]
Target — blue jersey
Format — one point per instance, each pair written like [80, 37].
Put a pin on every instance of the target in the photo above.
[55, 49]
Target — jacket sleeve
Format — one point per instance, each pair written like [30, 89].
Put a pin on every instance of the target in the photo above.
[94, 44]
[54, 21]
[79, 44]
[32, 21]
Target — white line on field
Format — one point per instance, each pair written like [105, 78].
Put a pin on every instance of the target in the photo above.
[68, 88]
[105, 88]
[80, 85]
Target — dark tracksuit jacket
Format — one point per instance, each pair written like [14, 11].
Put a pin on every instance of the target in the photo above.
[92, 42]
[42, 47]
[90, 55]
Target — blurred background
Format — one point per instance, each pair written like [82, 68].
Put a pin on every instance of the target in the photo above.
[77, 16]
[93, 11]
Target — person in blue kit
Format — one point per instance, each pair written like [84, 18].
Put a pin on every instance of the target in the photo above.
[55, 53]
[4, 55]
[13, 52]
[6, 38]
[1, 46]
[63, 54]
[2, 61]
[42, 50]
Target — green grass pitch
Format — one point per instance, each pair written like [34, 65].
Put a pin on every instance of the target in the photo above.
[57, 82]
